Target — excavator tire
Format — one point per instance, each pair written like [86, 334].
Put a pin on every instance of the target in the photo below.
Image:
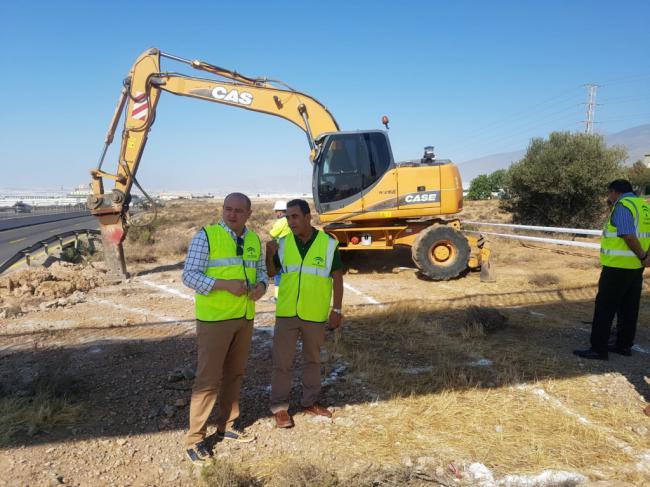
[441, 253]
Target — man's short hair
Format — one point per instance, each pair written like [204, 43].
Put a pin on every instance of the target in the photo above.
[239, 195]
[620, 186]
[302, 204]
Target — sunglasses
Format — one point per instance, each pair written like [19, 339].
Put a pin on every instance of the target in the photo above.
[240, 246]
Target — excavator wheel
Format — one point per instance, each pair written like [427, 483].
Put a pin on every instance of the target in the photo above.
[441, 253]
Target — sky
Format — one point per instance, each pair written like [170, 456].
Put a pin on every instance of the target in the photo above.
[472, 78]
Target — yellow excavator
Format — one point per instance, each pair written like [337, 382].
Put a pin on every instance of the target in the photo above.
[365, 199]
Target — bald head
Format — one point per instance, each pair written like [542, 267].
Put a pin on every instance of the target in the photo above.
[236, 211]
[240, 197]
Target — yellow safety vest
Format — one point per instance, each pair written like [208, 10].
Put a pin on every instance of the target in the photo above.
[224, 263]
[280, 228]
[306, 284]
[614, 252]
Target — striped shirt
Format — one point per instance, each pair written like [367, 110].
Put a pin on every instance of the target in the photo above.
[622, 218]
[198, 255]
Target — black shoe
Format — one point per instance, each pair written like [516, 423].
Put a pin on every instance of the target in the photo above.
[591, 354]
[199, 454]
[235, 434]
[621, 351]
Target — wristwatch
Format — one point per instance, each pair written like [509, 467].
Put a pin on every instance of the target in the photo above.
[337, 311]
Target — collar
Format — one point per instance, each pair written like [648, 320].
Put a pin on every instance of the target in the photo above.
[230, 232]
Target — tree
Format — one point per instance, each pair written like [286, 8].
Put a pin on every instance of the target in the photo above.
[497, 180]
[482, 186]
[479, 188]
[562, 181]
[639, 175]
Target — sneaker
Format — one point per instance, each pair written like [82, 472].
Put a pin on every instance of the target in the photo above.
[199, 453]
[234, 434]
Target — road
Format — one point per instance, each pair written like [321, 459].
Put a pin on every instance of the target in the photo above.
[14, 240]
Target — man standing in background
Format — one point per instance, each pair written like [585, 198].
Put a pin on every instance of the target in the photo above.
[280, 229]
[623, 255]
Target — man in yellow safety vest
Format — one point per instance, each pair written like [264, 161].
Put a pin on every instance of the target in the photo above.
[225, 267]
[623, 254]
[312, 278]
[280, 229]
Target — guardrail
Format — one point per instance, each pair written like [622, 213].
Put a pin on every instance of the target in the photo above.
[10, 211]
[557, 241]
[61, 240]
[26, 221]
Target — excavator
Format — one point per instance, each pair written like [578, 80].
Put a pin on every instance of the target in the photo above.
[365, 199]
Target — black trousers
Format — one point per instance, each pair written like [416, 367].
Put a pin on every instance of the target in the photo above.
[619, 293]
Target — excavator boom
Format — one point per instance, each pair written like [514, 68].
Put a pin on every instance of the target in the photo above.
[137, 103]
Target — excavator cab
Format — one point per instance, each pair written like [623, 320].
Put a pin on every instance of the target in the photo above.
[347, 166]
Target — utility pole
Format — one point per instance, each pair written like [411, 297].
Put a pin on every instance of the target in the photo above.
[591, 108]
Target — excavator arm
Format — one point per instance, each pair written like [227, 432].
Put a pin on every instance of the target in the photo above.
[138, 101]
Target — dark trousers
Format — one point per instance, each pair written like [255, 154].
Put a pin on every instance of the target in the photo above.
[619, 293]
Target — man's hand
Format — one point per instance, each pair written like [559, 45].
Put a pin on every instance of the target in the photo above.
[257, 291]
[335, 320]
[236, 287]
[272, 247]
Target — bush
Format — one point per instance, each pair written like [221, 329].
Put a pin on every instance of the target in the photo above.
[562, 181]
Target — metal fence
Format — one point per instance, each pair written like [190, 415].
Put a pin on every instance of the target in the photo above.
[61, 241]
[10, 212]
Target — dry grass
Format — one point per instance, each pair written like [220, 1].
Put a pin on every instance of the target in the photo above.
[544, 279]
[221, 473]
[433, 402]
[31, 415]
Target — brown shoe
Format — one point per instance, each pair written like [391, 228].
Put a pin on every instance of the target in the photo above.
[319, 410]
[283, 420]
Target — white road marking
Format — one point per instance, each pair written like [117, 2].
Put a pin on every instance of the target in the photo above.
[140, 311]
[167, 289]
[365, 296]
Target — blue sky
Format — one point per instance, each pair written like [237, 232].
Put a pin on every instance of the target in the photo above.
[472, 78]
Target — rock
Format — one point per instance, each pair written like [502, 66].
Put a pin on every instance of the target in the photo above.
[407, 462]
[321, 420]
[169, 410]
[188, 373]
[640, 430]
[11, 311]
[121, 441]
[345, 422]
[180, 403]
[175, 376]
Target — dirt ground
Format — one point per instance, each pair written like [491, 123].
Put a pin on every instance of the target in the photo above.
[424, 390]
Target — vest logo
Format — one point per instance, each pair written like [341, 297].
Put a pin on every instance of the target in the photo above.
[318, 262]
[250, 251]
[233, 96]
[430, 197]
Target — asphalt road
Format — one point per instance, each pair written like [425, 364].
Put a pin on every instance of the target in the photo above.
[14, 240]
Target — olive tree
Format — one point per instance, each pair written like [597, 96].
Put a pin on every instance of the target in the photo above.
[562, 180]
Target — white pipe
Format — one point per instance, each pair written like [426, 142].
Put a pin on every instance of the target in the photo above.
[587, 245]
[581, 231]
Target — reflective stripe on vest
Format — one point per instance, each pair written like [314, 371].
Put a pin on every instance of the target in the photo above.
[306, 284]
[614, 251]
[224, 263]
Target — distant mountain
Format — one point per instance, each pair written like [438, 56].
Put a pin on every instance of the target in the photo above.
[636, 140]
